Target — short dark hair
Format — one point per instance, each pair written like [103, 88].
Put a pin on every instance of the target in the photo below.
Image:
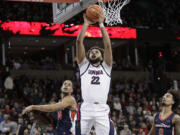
[176, 98]
[95, 47]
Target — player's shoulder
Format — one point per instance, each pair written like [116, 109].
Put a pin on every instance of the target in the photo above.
[69, 98]
[176, 118]
[154, 115]
[106, 65]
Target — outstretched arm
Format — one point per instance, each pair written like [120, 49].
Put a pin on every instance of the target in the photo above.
[80, 50]
[66, 102]
[106, 40]
[177, 124]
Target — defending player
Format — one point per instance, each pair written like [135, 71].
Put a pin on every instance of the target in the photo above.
[167, 122]
[63, 107]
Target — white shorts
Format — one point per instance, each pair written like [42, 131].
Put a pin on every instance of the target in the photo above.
[89, 115]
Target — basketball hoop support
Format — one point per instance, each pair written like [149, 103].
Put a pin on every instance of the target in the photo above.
[60, 16]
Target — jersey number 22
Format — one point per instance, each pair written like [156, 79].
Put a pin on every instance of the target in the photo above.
[95, 80]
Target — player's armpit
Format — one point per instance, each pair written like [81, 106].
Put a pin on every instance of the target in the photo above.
[177, 124]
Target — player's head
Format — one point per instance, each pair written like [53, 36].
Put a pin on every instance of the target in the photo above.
[171, 98]
[67, 87]
[95, 54]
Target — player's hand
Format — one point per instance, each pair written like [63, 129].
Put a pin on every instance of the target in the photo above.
[101, 18]
[27, 109]
[87, 21]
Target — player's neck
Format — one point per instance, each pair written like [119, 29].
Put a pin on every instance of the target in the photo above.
[166, 110]
[65, 95]
[96, 64]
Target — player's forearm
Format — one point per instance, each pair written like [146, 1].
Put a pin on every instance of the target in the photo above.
[108, 58]
[82, 33]
[80, 50]
[106, 39]
[43, 108]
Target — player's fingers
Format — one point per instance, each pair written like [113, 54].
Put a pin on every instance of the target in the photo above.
[101, 15]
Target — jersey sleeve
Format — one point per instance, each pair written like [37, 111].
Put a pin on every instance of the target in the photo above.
[106, 67]
[83, 65]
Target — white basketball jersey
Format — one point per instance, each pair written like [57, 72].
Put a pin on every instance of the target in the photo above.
[95, 81]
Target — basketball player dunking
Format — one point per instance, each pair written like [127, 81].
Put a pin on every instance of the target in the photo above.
[167, 122]
[64, 107]
[95, 74]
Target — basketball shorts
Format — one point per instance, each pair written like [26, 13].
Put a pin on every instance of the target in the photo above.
[93, 114]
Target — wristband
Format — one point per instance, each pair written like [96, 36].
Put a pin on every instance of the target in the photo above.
[101, 25]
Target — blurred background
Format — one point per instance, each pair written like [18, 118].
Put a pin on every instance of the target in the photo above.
[37, 55]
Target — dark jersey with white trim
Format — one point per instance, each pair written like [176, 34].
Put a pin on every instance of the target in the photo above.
[164, 126]
[65, 118]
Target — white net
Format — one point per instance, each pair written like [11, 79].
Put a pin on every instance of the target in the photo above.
[112, 10]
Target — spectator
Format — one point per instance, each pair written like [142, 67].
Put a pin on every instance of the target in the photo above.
[117, 105]
[16, 64]
[8, 126]
[126, 130]
[143, 130]
[9, 85]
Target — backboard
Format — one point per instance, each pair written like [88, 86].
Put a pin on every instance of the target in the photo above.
[64, 11]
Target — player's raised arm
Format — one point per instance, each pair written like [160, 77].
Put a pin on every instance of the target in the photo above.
[106, 40]
[80, 50]
[66, 102]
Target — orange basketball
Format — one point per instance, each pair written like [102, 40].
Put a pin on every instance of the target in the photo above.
[92, 13]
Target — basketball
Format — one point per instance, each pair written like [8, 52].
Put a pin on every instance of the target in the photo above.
[92, 13]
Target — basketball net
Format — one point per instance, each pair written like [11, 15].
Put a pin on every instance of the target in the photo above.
[112, 10]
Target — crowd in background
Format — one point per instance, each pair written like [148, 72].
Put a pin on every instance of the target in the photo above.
[142, 14]
[168, 63]
[152, 14]
[25, 11]
[132, 105]
[40, 63]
